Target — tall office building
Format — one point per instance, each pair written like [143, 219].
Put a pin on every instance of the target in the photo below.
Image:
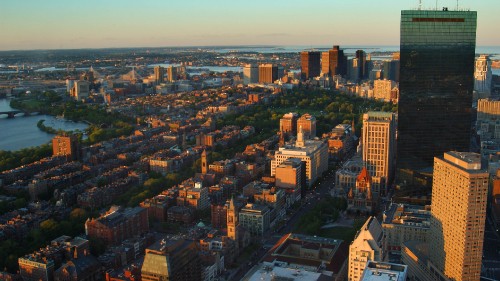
[310, 64]
[250, 74]
[436, 84]
[159, 74]
[379, 149]
[268, 73]
[361, 56]
[334, 62]
[483, 76]
[458, 213]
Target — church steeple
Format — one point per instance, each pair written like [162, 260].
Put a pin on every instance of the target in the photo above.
[204, 164]
[300, 138]
[232, 220]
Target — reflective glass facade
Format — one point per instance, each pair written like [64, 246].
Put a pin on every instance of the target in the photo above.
[436, 83]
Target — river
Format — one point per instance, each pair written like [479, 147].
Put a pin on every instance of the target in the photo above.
[21, 132]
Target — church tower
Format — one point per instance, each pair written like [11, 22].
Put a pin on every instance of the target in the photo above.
[204, 164]
[232, 221]
[300, 138]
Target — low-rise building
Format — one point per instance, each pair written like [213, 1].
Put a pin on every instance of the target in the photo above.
[118, 224]
[311, 254]
[255, 219]
[403, 222]
[382, 271]
[313, 152]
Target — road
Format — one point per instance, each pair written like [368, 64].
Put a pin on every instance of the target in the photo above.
[320, 190]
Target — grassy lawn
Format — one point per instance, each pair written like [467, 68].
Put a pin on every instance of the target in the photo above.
[345, 233]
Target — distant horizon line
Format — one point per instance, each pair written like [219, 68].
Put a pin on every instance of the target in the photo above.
[347, 46]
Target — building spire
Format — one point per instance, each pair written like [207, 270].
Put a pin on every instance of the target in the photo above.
[300, 138]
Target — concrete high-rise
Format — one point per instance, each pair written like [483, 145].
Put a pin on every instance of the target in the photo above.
[458, 213]
[334, 62]
[436, 84]
[379, 149]
[310, 63]
[250, 74]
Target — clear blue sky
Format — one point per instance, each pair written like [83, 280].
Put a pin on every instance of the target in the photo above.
[55, 24]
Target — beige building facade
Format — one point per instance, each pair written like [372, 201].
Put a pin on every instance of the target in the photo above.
[379, 148]
[459, 195]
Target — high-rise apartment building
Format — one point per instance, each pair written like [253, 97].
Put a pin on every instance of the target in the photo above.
[458, 213]
[159, 72]
[483, 76]
[383, 89]
[268, 73]
[250, 74]
[379, 147]
[310, 64]
[436, 84]
[67, 146]
[334, 62]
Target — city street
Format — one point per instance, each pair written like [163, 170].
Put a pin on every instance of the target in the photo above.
[321, 189]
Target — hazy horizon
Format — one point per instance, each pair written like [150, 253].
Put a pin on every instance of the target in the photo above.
[93, 24]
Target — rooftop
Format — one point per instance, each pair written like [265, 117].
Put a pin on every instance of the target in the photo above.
[381, 271]
[465, 160]
[271, 273]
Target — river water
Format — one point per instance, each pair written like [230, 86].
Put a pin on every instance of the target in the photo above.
[21, 132]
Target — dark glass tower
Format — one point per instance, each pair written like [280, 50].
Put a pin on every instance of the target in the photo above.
[310, 64]
[436, 83]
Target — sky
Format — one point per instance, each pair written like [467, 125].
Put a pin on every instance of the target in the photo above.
[70, 24]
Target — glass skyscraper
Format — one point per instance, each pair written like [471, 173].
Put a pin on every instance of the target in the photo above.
[436, 84]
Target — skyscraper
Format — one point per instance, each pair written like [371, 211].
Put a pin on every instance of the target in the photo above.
[436, 83]
[361, 56]
[159, 74]
[250, 74]
[310, 64]
[379, 147]
[483, 76]
[268, 73]
[458, 213]
[334, 62]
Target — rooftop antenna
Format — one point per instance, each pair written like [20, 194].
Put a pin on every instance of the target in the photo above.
[436, 5]
[457, 5]
[419, 5]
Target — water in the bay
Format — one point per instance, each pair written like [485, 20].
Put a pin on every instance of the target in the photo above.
[21, 132]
